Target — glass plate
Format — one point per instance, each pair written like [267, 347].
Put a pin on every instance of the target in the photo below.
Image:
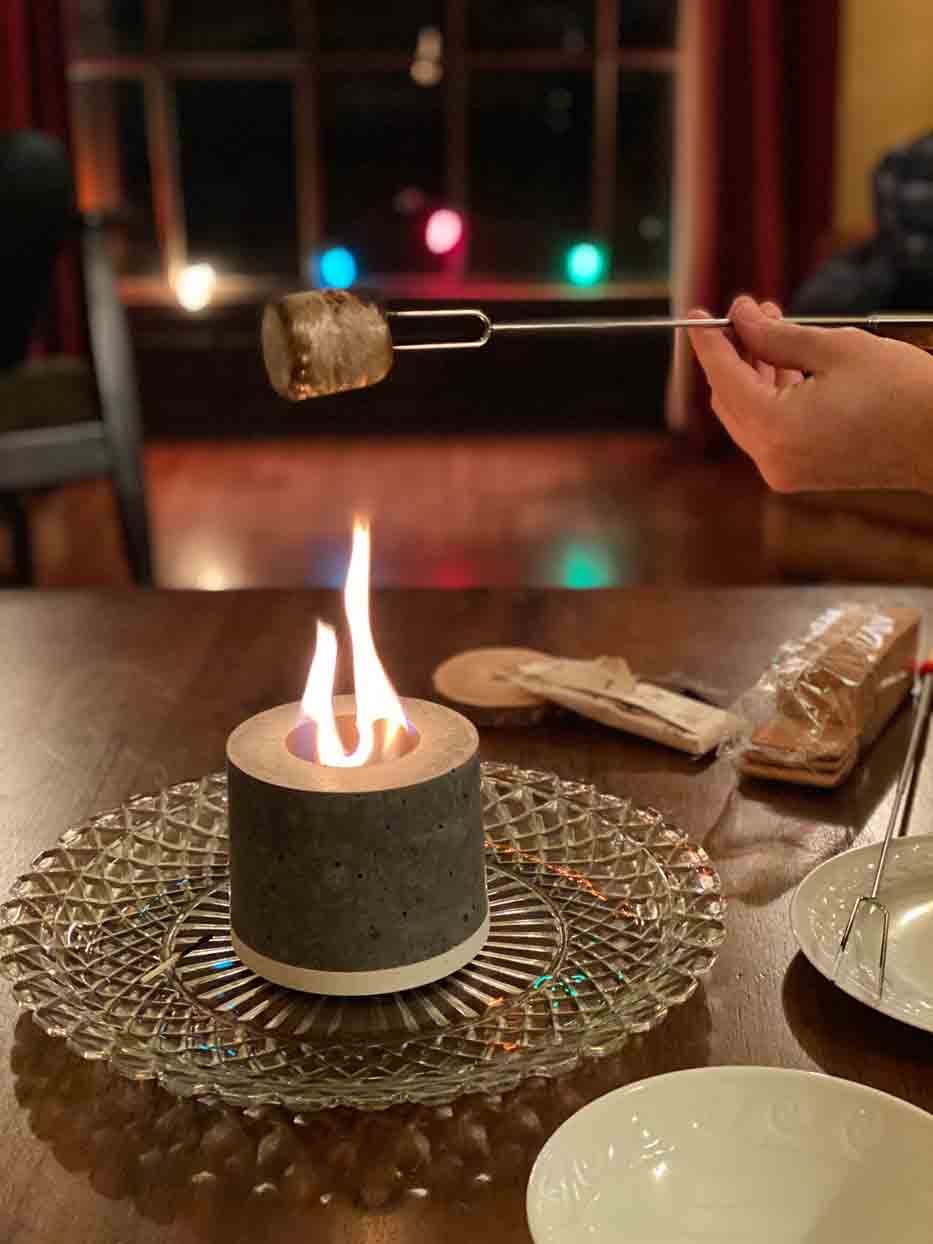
[603, 915]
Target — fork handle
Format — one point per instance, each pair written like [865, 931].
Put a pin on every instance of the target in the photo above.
[908, 770]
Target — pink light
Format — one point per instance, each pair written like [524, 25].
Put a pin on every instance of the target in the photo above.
[443, 231]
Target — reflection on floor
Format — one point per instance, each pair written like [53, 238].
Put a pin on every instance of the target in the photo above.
[578, 511]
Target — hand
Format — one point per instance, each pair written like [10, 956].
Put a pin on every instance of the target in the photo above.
[820, 408]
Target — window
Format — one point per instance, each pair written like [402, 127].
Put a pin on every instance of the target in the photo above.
[254, 134]
[530, 156]
[236, 168]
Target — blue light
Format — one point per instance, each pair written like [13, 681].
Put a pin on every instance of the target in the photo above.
[337, 267]
[585, 264]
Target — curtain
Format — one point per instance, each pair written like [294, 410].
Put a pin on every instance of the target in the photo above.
[34, 95]
[754, 165]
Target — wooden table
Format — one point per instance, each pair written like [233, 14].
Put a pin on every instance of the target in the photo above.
[108, 694]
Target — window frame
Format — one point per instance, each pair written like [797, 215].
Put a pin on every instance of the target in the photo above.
[158, 67]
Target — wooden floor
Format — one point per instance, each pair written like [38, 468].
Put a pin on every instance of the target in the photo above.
[595, 510]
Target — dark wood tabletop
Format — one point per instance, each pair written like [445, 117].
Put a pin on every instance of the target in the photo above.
[105, 695]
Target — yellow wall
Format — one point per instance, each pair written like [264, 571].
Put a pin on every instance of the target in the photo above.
[886, 94]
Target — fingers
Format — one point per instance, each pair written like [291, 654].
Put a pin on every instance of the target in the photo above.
[738, 390]
[767, 371]
[782, 377]
[785, 346]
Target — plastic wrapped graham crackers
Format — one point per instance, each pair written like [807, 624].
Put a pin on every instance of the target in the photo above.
[828, 695]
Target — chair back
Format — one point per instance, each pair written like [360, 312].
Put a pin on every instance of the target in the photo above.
[37, 211]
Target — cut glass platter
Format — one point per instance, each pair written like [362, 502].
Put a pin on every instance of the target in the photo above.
[603, 915]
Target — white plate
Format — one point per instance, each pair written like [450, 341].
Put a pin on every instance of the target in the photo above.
[821, 906]
[744, 1155]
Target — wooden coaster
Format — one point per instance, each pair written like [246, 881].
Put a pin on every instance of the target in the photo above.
[476, 683]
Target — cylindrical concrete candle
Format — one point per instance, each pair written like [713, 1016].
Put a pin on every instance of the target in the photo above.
[352, 881]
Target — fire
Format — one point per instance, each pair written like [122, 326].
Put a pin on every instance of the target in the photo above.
[376, 701]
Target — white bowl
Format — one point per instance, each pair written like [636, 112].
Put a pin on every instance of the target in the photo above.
[748, 1155]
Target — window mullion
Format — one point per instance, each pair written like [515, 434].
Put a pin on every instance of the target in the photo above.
[605, 111]
[309, 173]
[162, 140]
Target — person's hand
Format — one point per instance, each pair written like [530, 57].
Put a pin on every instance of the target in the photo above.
[820, 408]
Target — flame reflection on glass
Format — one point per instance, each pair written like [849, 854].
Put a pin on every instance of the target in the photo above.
[376, 701]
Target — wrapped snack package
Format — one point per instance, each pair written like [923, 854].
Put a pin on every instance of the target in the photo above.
[505, 685]
[606, 690]
[828, 695]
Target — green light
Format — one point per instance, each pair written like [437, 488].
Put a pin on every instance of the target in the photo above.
[587, 565]
[585, 264]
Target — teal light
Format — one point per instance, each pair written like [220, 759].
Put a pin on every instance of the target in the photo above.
[337, 267]
[586, 264]
[586, 565]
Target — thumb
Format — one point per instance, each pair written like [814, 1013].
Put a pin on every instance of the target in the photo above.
[781, 344]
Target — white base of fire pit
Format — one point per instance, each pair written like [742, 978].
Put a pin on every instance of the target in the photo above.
[361, 984]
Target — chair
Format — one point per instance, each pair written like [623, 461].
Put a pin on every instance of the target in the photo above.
[62, 419]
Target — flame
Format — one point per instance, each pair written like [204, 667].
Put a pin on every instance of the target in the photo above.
[376, 700]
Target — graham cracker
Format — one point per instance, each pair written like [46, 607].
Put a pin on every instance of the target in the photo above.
[836, 691]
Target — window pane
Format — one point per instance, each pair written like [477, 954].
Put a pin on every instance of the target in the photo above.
[375, 25]
[648, 23]
[113, 167]
[643, 190]
[228, 25]
[107, 27]
[383, 156]
[238, 174]
[529, 179]
[563, 24]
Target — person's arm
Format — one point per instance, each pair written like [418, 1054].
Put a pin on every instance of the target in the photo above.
[820, 408]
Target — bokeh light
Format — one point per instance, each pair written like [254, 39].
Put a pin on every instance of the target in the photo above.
[426, 72]
[410, 199]
[585, 264]
[443, 231]
[194, 286]
[587, 564]
[455, 572]
[337, 267]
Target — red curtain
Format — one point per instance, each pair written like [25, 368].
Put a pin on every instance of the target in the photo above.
[34, 95]
[754, 167]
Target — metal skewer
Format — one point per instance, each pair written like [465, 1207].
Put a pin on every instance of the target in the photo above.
[911, 765]
[490, 328]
